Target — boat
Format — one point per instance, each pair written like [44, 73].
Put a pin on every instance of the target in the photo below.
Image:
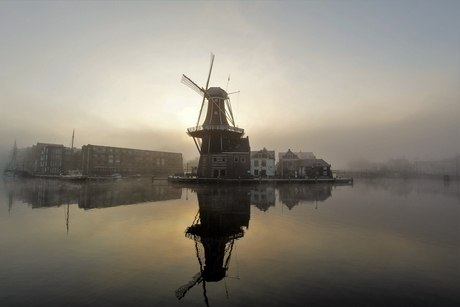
[72, 174]
[11, 169]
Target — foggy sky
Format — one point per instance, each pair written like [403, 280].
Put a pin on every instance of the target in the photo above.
[342, 79]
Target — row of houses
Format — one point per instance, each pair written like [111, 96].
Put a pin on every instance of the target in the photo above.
[290, 165]
[95, 160]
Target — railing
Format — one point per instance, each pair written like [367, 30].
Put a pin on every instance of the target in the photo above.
[215, 127]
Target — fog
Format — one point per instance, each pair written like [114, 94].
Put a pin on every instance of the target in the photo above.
[343, 80]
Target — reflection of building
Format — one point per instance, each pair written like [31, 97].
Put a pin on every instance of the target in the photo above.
[263, 163]
[223, 214]
[99, 195]
[263, 197]
[40, 193]
[105, 160]
[88, 195]
[294, 195]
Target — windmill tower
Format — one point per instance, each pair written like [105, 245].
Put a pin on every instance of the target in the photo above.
[224, 152]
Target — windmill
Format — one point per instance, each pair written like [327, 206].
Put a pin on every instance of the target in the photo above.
[217, 138]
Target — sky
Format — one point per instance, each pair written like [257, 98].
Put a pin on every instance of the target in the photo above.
[342, 79]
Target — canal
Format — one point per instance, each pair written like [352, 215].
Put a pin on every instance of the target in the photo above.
[380, 242]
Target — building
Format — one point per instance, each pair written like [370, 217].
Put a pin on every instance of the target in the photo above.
[51, 159]
[106, 160]
[56, 159]
[224, 152]
[314, 168]
[299, 155]
[288, 163]
[263, 163]
[302, 165]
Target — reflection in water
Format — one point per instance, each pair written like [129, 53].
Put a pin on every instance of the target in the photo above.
[263, 197]
[126, 193]
[220, 221]
[380, 242]
[88, 195]
[292, 196]
[10, 185]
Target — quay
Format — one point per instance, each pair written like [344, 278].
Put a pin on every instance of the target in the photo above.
[179, 179]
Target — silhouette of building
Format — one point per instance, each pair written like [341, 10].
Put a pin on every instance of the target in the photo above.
[106, 160]
[224, 152]
[303, 165]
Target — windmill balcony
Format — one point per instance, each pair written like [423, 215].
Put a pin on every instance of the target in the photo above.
[197, 131]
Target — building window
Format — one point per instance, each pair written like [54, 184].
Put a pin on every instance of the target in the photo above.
[256, 163]
[256, 172]
[243, 160]
[264, 162]
[237, 160]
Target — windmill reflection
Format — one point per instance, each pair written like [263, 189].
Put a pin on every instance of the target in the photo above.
[220, 221]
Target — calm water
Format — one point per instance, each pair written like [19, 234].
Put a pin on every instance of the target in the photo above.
[136, 243]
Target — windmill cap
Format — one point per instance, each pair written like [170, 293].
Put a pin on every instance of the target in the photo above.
[217, 92]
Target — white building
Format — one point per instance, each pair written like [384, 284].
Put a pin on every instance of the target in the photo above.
[263, 163]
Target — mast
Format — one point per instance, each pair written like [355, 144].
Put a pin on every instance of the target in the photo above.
[14, 154]
[71, 150]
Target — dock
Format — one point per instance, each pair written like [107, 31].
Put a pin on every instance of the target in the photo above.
[198, 180]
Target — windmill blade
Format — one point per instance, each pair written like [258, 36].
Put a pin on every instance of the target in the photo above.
[186, 80]
[180, 293]
[230, 112]
[207, 84]
[210, 69]
[201, 110]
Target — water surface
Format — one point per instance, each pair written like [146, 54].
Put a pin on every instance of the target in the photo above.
[386, 242]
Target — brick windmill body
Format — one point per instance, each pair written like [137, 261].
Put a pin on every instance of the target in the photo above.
[224, 152]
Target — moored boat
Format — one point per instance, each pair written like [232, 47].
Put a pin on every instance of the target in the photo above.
[73, 175]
